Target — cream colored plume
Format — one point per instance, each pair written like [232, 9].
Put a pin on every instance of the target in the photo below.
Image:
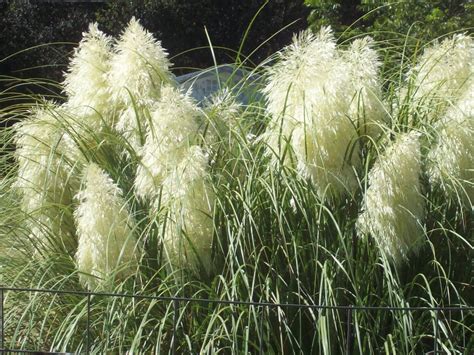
[173, 174]
[88, 108]
[189, 200]
[139, 66]
[441, 75]
[366, 107]
[317, 97]
[106, 247]
[44, 180]
[86, 80]
[451, 159]
[139, 69]
[222, 115]
[173, 129]
[393, 209]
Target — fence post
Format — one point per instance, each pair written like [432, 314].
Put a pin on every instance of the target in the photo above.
[261, 329]
[175, 324]
[3, 320]
[436, 332]
[350, 335]
[88, 334]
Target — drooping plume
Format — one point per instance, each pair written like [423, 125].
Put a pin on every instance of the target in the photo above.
[43, 178]
[393, 207]
[441, 75]
[317, 96]
[107, 246]
[451, 159]
[173, 130]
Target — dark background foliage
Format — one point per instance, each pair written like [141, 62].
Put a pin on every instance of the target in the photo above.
[424, 20]
[178, 24]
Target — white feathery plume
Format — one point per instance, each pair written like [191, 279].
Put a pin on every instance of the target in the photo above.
[139, 66]
[451, 159]
[326, 152]
[88, 108]
[189, 201]
[309, 94]
[366, 107]
[37, 139]
[173, 172]
[106, 243]
[441, 74]
[174, 127]
[223, 113]
[298, 65]
[86, 82]
[287, 100]
[393, 208]
[43, 177]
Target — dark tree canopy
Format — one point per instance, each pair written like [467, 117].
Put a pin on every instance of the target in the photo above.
[422, 19]
[178, 24]
[401, 28]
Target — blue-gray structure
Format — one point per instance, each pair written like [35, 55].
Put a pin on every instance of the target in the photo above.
[204, 83]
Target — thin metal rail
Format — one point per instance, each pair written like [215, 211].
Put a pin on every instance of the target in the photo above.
[244, 303]
[177, 301]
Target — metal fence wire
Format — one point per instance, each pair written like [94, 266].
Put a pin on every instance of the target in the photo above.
[177, 302]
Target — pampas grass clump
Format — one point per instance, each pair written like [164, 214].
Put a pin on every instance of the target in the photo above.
[314, 194]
